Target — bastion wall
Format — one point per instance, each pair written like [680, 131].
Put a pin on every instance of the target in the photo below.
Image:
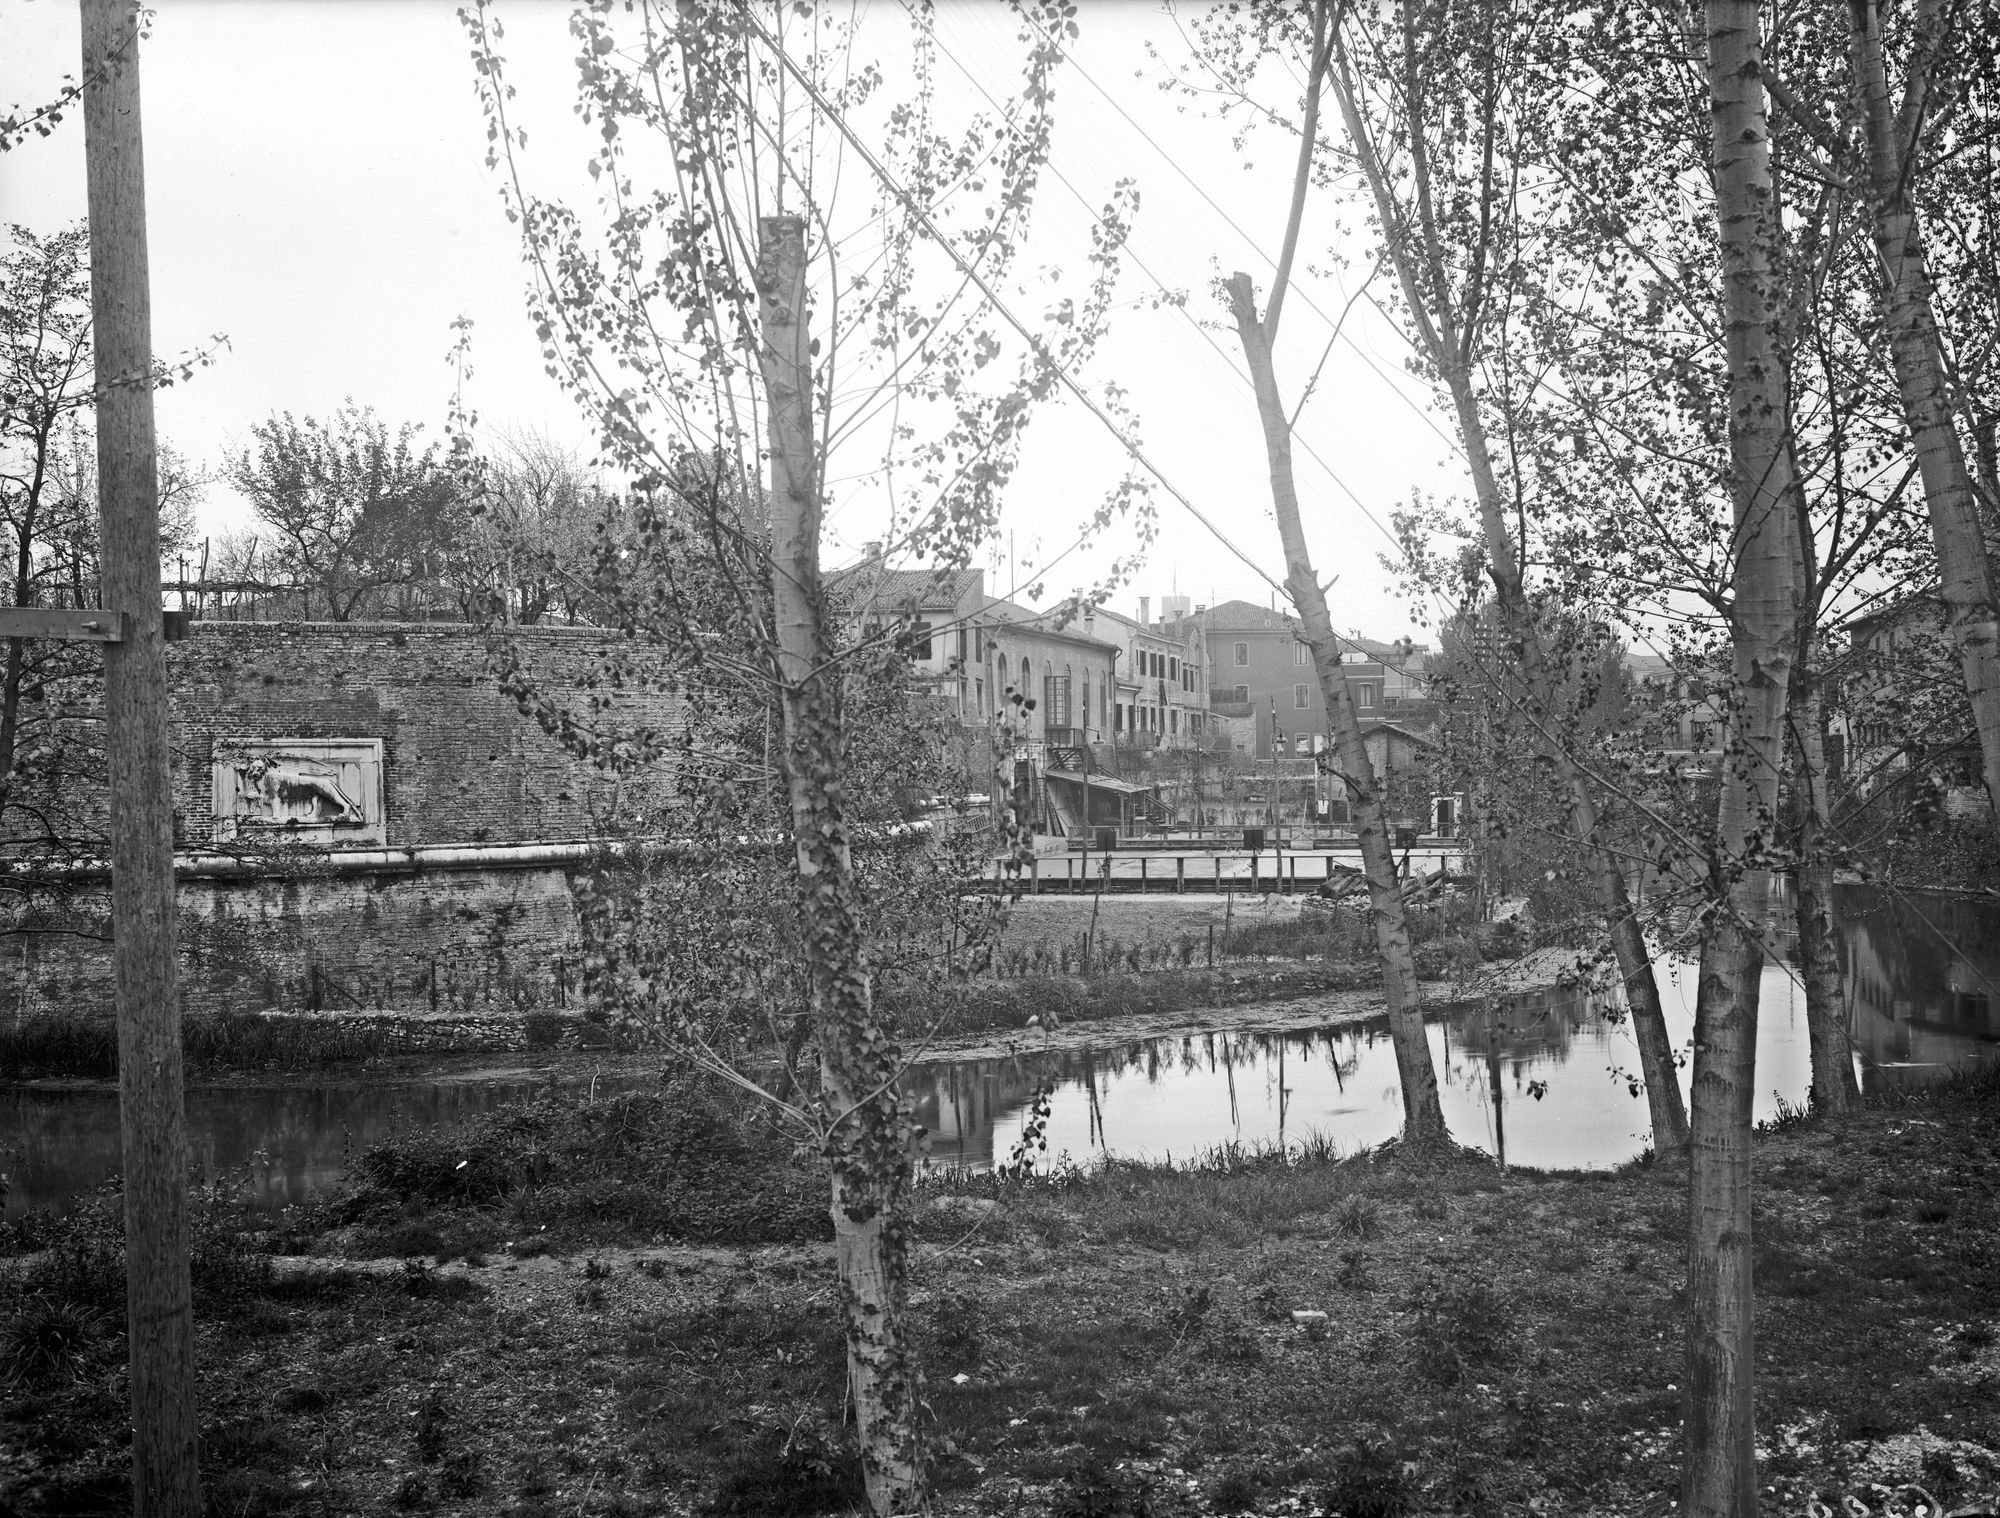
[444, 905]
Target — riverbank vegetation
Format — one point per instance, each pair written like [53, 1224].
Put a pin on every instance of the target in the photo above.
[617, 1306]
[1062, 964]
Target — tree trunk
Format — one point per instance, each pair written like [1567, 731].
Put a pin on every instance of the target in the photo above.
[24, 585]
[1440, 334]
[1965, 575]
[1719, 1474]
[159, 1312]
[1423, 1113]
[869, 1135]
[1833, 1087]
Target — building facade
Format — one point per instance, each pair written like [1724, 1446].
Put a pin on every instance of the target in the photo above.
[979, 651]
[1162, 697]
[1262, 674]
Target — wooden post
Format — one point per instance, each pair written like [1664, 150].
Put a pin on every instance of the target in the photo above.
[1180, 874]
[1142, 874]
[166, 1482]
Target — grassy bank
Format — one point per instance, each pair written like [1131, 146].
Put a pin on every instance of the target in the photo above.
[51, 1045]
[1120, 1341]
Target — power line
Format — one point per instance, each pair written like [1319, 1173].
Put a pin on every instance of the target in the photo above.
[1303, 294]
[1160, 285]
[1035, 344]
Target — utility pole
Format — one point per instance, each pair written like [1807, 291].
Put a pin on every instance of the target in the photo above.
[159, 1315]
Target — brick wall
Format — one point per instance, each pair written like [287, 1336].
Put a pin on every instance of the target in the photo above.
[462, 940]
[461, 765]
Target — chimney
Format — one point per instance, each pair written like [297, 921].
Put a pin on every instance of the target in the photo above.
[1145, 605]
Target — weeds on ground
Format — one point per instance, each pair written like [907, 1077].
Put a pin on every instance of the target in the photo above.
[666, 1164]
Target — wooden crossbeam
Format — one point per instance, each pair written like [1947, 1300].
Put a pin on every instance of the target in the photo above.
[62, 626]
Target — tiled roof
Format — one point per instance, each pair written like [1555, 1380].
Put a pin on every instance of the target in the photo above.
[1244, 616]
[1013, 613]
[911, 588]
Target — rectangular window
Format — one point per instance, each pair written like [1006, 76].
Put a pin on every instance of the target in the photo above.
[1176, 719]
[1243, 694]
[1173, 668]
[961, 646]
[1055, 701]
[1242, 654]
[1364, 696]
[1302, 697]
[1301, 654]
[920, 640]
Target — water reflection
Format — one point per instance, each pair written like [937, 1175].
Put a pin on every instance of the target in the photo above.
[1549, 1080]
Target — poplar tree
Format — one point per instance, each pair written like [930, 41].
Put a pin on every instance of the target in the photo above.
[722, 305]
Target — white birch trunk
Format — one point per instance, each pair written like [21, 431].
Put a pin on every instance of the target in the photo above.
[1719, 1475]
[868, 1149]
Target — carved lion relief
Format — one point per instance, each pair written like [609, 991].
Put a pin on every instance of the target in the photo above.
[299, 790]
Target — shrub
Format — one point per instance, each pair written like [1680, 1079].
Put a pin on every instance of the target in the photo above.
[1455, 1324]
[1357, 1218]
[675, 1164]
[46, 1337]
[543, 1030]
[1355, 1273]
[1369, 1481]
[1234, 1491]
[1092, 1489]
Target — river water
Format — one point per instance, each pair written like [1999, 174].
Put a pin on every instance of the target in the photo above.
[1544, 1080]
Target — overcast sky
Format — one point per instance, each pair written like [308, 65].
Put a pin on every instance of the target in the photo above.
[317, 191]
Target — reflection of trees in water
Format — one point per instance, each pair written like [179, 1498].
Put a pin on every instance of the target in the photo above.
[963, 1103]
[1923, 979]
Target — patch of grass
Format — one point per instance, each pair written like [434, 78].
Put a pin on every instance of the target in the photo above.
[46, 1337]
[1357, 1218]
[1236, 1490]
[667, 1164]
[1092, 1488]
[716, 1381]
[1370, 1480]
[1455, 1324]
[802, 1470]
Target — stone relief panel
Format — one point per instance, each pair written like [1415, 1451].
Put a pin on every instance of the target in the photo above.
[299, 790]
